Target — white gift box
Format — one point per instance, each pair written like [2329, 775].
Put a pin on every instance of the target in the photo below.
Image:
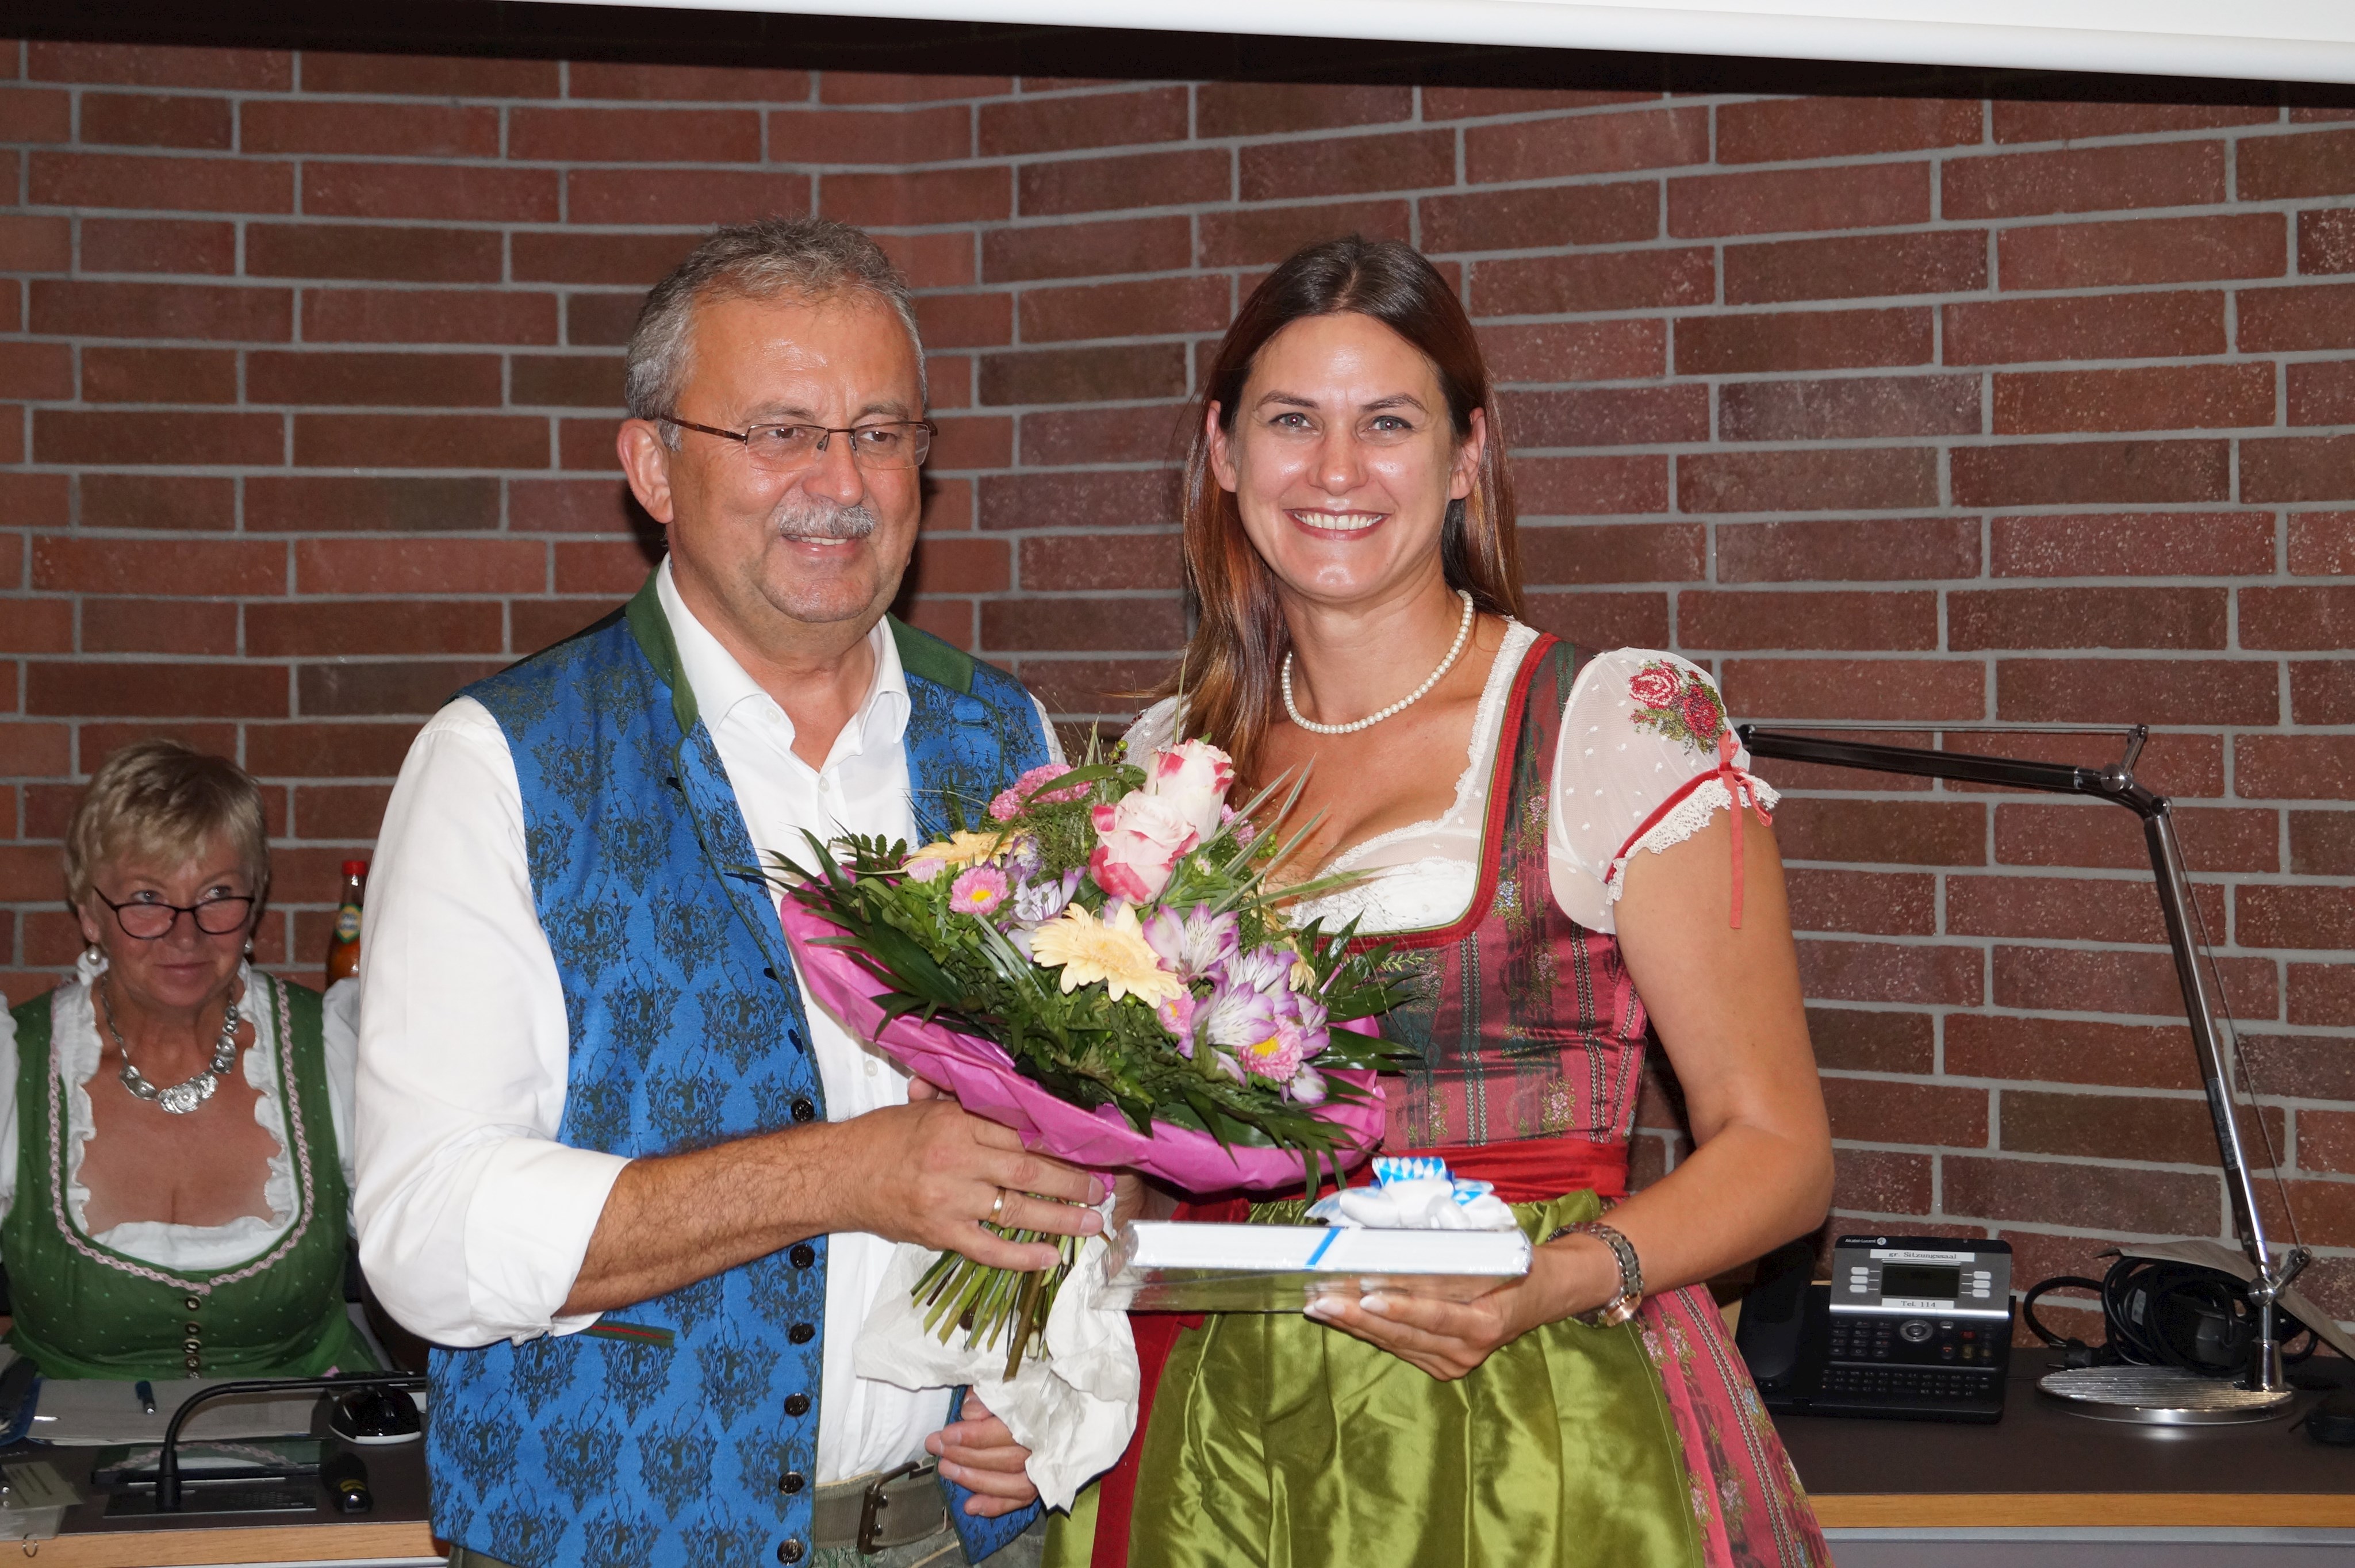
[1179, 1266]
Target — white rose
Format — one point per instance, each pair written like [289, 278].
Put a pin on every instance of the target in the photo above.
[1193, 777]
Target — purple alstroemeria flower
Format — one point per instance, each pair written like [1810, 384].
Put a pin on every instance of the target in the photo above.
[1197, 944]
[1266, 968]
[1237, 1016]
[1035, 903]
[1023, 858]
[1307, 1086]
[1177, 1016]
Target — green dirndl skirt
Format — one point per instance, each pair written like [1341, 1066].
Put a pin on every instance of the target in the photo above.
[1276, 1441]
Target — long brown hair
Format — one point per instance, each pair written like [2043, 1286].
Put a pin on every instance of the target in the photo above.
[1228, 677]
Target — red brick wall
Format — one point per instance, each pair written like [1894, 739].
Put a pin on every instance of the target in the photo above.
[2029, 408]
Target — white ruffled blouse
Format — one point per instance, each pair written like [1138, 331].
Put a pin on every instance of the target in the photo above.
[76, 1051]
[1629, 776]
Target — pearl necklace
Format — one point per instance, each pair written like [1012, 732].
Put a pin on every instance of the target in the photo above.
[190, 1093]
[1462, 633]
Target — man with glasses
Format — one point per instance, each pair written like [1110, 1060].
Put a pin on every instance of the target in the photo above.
[607, 1155]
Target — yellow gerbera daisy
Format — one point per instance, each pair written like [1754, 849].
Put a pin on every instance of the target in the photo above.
[1112, 951]
[961, 849]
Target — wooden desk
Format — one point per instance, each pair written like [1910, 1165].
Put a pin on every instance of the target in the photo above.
[1891, 1492]
[395, 1532]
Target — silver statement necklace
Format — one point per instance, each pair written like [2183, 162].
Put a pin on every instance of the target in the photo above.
[1462, 633]
[190, 1093]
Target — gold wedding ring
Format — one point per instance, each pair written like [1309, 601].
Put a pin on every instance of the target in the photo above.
[998, 1208]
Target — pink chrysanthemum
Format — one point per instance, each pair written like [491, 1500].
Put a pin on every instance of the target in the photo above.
[1278, 1056]
[978, 890]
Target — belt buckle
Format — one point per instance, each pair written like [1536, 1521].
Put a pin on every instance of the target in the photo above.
[872, 1502]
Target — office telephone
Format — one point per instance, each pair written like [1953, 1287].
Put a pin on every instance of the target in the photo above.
[1909, 1327]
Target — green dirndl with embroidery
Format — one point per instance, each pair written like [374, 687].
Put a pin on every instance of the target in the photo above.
[84, 1310]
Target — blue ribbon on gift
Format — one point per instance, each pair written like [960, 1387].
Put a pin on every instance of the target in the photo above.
[1394, 1168]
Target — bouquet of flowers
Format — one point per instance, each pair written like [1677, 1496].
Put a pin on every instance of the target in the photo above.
[1097, 959]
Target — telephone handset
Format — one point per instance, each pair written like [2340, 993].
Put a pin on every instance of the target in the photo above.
[1910, 1327]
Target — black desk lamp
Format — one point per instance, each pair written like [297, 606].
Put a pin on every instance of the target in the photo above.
[168, 1458]
[2163, 1395]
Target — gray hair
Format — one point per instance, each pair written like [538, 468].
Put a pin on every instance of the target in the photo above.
[811, 258]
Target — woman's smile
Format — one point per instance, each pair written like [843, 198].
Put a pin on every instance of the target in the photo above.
[1331, 525]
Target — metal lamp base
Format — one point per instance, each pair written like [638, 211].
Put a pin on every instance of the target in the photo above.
[2161, 1396]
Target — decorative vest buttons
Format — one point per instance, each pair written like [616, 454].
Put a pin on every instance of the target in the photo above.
[195, 1328]
[792, 1481]
[797, 1404]
[790, 1550]
[804, 1111]
[804, 1255]
[193, 1303]
[801, 1333]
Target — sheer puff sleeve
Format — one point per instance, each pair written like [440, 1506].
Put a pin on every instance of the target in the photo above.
[1647, 756]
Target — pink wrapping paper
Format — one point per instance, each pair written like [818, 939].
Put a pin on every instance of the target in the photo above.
[983, 1079]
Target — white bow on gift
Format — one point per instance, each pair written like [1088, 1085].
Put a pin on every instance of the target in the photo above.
[1415, 1193]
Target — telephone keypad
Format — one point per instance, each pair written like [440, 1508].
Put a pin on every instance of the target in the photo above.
[1944, 1341]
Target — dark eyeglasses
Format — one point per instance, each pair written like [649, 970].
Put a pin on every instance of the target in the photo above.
[789, 448]
[146, 920]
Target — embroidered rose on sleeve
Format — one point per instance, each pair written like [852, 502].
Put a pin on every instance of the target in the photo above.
[1677, 704]
[1654, 686]
[1702, 716]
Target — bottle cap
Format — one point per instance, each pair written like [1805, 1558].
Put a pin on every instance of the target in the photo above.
[356, 868]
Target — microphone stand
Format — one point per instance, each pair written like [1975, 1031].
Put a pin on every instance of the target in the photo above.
[2267, 1388]
[167, 1459]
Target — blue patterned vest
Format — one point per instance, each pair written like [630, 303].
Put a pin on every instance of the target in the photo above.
[664, 1435]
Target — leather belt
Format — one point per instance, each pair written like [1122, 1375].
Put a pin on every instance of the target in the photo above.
[873, 1513]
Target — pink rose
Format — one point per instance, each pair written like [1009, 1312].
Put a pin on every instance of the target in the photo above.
[1140, 840]
[1654, 686]
[1194, 778]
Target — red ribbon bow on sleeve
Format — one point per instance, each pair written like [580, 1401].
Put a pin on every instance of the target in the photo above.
[1741, 791]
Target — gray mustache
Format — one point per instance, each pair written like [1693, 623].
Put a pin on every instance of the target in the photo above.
[814, 519]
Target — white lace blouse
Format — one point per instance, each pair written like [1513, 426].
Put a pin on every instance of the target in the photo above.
[75, 1049]
[1635, 770]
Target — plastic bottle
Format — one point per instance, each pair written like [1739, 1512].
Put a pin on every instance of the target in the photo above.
[344, 946]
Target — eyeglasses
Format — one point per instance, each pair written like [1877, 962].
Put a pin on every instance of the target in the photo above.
[788, 448]
[148, 920]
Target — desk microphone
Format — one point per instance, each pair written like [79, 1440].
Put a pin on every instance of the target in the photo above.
[168, 1458]
[347, 1484]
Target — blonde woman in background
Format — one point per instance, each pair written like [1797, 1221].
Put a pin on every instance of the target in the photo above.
[174, 1184]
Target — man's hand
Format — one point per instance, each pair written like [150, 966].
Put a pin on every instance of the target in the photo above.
[980, 1455]
[925, 1172]
[930, 1172]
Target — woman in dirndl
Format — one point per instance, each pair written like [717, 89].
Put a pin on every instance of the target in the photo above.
[1570, 858]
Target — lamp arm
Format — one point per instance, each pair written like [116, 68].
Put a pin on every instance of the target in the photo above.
[2116, 783]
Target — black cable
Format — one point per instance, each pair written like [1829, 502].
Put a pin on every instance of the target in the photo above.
[2068, 1343]
[2159, 1313]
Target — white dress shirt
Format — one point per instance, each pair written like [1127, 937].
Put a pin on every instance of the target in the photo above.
[472, 1219]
